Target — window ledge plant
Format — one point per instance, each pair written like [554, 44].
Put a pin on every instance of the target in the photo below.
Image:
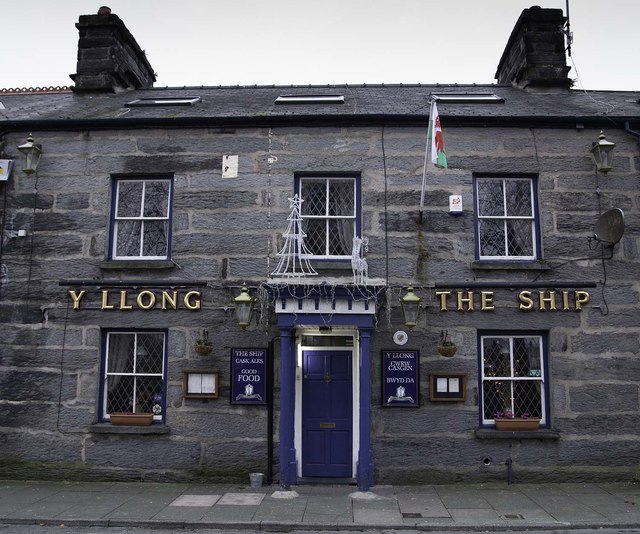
[507, 420]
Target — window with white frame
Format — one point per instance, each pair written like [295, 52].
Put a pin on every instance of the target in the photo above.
[142, 219]
[134, 373]
[506, 218]
[513, 376]
[329, 215]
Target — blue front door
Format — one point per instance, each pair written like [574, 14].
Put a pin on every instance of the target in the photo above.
[327, 425]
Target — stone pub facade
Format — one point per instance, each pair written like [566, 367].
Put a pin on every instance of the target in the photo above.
[157, 215]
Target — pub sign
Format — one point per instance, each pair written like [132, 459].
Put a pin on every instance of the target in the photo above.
[248, 376]
[400, 378]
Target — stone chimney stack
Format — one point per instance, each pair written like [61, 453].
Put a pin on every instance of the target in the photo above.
[534, 58]
[109, 58]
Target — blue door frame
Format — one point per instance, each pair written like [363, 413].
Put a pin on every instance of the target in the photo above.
[287, 324]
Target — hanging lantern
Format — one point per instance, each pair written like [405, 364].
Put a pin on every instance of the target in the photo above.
[603, 152]
[32, 153]
[410, 307]
[244, 307]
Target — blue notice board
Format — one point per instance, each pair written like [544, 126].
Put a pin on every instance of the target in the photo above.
[249, 376]
[400, 378]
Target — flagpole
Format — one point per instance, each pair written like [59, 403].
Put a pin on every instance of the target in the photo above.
[426, 158]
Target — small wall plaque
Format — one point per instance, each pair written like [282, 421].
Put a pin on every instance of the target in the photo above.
[450, 386]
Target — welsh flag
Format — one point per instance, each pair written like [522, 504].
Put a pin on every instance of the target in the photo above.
[438, 157]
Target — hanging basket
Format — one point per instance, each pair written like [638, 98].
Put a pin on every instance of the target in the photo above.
[203, 350]
[447, 350]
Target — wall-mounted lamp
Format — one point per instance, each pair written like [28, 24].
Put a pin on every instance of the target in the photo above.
[410, 306]
[32, 153]
[603, 152]
[244, 307]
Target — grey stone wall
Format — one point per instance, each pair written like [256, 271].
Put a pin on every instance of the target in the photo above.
[228, 231]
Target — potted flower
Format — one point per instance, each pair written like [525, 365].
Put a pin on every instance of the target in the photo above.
[203, 346]
[446, 347]
[507, 420]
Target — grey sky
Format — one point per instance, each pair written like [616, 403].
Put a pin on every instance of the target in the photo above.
[246, 42]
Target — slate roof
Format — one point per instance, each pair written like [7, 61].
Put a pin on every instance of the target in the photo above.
[373, 103]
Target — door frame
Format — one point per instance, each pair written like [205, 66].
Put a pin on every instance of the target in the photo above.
[355, 388]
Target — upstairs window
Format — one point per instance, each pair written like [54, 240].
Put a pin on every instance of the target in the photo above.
[513, 376]
[506, 219]
[142, 219]
[329, 215]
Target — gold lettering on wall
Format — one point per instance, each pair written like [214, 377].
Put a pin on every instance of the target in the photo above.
[171, 300]
[443, 299]
[76, 298]
[123, 301]
[468, 300]
[105, 301]
[146, 299]
[582, 297]
[193, 300]
[486, 301]
[526, 302]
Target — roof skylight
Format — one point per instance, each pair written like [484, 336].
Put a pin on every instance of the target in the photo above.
[468, 98]
[164, 101]
[310, 99]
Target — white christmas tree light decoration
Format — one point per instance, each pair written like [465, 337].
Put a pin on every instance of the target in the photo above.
[294, 254]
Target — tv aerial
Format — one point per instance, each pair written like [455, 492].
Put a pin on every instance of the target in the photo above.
[609, 227]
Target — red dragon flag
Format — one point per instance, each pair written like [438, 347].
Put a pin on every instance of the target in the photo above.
[438, 157]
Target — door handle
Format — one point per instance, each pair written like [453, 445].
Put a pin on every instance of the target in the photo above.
[327, 425]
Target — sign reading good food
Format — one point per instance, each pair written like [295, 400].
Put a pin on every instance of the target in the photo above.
[248, 376]
[400, 384]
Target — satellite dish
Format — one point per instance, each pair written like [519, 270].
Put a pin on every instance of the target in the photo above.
[610, 226]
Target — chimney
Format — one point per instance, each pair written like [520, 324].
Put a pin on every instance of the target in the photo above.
[109, 58]
[534, 58]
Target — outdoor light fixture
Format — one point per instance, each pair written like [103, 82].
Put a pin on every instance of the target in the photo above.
[410, 307]
[32, 153]
[603, 154]
[244, 307]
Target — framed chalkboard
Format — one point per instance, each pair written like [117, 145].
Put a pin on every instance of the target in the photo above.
[249, 376]
[449, 386]
[400, 378]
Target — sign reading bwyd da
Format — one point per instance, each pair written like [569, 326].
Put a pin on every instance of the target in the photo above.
[141, 300]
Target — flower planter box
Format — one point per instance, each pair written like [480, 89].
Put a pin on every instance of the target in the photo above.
[131, 419]
[517, 423]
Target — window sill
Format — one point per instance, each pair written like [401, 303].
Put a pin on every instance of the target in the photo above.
[543, 434]
[510, 265]
[108, 428]
[136, 264]
[331, 265]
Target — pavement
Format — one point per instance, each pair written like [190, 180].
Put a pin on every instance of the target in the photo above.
[482, 507]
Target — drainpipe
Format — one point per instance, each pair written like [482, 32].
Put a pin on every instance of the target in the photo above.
[271, 356]
[632, 132]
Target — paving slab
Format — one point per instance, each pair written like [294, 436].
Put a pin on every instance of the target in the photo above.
[241, 499]
[196, 500]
